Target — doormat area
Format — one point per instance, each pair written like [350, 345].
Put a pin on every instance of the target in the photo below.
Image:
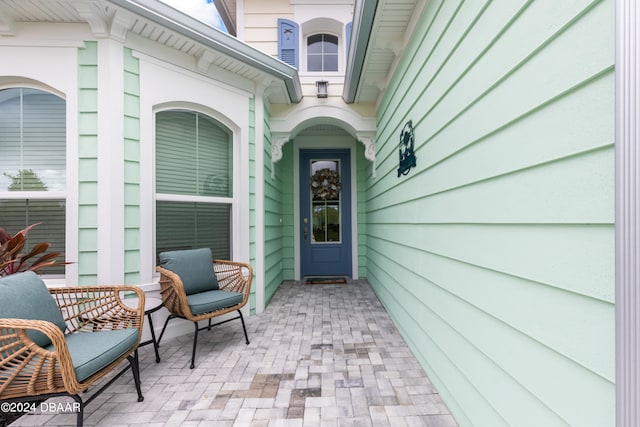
[325, 281]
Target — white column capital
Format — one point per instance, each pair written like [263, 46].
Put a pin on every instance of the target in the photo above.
[369, 141]
[277, 141]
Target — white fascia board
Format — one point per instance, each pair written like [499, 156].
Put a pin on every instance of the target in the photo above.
[363, 16]
[213, 38]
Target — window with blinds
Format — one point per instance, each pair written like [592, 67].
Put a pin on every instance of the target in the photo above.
[33, 166]
[193, 183]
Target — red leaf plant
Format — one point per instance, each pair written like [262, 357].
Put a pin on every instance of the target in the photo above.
[14, 260]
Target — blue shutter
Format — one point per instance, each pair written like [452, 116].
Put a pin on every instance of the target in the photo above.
[348, 38]
[288, 42]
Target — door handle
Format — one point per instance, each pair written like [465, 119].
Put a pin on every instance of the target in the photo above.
[305, 230]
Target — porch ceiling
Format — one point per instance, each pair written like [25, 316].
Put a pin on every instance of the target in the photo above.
[156, 21]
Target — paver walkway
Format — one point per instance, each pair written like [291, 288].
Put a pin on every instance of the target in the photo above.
[320, 355]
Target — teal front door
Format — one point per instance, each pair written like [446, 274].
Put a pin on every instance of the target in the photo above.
[325, 212]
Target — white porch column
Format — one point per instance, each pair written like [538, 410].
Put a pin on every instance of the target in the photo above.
[627, 214]
[259, 273]
[110, 174]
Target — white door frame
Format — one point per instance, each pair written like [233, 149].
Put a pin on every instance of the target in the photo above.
[302, 142]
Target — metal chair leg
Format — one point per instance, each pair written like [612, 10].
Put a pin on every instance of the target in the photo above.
[195, 342]
[80, 415]
[171, 316]
[244, 328]
[153, 338]
[135, 369]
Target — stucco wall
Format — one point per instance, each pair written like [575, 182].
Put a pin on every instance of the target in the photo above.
[495, 254]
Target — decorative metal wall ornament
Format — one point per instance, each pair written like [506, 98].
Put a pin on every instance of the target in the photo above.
[405, 151]
[325, 184]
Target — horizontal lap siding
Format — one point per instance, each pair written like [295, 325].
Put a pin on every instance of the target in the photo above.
[132, 169]
[285, 169]
[87, 164]
[252, 197]
[260, 23]
[495, 254]
[272, 216]
[363, 173]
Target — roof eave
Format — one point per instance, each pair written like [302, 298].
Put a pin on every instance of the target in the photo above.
[229, 21]
[213, 38]
[363, 16]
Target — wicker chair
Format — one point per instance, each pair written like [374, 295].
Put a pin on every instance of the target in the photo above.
[202, 298]
[46, 358]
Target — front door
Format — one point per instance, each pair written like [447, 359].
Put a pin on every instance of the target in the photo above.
[325, 212]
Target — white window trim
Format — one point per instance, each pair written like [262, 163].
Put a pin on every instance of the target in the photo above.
[163, 197]
[304, 73]
[315, 26]
[70, 195]
[240, 194]
[229, 105]
[33, 195]
[340, 52]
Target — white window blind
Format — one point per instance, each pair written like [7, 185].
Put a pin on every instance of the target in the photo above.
[33, 166]
[193, 183]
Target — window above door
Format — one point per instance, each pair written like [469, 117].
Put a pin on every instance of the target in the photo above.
[317, 47]
[322, 53]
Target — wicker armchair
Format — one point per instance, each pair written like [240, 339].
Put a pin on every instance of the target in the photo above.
[38, 360]
[186, 300]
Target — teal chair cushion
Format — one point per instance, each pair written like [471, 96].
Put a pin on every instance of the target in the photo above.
[206, 302]
[93, 351]
[25, 296]
[195, 268]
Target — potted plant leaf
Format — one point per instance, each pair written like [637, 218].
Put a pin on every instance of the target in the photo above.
[14, 257]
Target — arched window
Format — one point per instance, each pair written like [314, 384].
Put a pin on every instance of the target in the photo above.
[322, 52]
[194, 191]
[33, 166]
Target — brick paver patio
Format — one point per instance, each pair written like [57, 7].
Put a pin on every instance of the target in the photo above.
[320, 355]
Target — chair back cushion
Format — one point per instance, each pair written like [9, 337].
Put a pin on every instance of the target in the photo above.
[195, 268]
[25, 296]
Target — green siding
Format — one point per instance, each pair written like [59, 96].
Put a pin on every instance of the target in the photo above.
[87, 164]
[285, 169]
[494, 256]
[362, 174]
[273, 214]
[131, 168]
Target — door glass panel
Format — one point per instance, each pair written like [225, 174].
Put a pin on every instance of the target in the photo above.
[325, 201]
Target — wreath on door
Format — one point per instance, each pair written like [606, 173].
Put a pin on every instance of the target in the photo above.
[325, 184]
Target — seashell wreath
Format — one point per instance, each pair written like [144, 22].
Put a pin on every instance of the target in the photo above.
[325, 184]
